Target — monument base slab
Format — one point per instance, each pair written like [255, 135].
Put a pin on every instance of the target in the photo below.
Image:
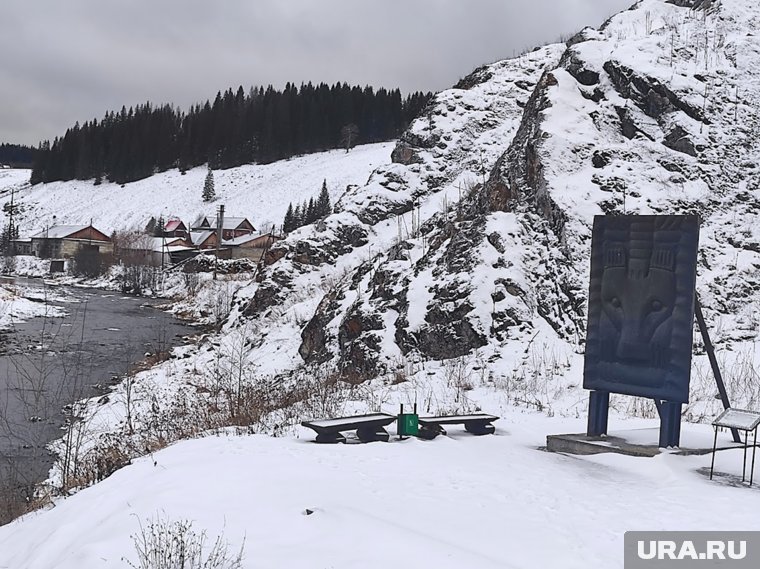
[636, 442]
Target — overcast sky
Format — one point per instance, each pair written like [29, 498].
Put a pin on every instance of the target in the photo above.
[72, 60]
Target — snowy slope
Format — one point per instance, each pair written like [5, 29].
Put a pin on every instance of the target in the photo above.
[458, 501]
[456, 278]
[259, 192]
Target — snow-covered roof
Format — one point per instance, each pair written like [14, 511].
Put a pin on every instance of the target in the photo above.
[59, 231]
[157, 243]
[172, 224]
[198, 237]
[242, 239]
[234, 222]
[200, 221]
[175, 248]
[228, 223]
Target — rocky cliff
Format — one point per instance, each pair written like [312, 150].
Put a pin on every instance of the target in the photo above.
[474, 242]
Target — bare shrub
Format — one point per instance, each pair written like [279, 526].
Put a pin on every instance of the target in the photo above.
[238, 399]
[95, 466]
[139, 273]
[192, 283]
[89, 262]
[7, 265]
[163, 544]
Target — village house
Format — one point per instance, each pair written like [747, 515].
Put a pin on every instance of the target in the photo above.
[22, 246]
[203, 239]
[158, 251]
[178, 242]
[175, 228]
[63, 241]
[250, 247]
[231, 226]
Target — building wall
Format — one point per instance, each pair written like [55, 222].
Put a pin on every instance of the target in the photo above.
[210, 243]
[69, 247]
[254, 254]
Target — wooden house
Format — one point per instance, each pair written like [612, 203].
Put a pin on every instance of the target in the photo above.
[203, 239]
[231, 226]
[250, 247]
[63, 241]
[158, 251]
[175, 228]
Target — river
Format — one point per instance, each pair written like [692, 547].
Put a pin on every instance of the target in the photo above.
[47, 363]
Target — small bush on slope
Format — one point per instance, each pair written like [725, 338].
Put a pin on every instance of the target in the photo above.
[175, 545]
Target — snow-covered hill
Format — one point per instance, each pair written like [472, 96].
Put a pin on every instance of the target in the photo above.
[456, 278]
[260, 192]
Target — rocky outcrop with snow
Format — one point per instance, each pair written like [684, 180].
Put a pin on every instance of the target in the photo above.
[476, 239]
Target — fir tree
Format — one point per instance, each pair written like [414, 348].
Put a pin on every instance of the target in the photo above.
[208, 187]
[287, 224]
[311, 214]
[324, 208]
[297, 217]
[150, 228]
[158, 229]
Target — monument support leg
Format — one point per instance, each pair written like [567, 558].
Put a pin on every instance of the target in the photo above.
[598, 412]
[670, 424]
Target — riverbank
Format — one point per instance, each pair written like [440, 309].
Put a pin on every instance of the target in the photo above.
[197, 297]
[81, 342]
[18, 304]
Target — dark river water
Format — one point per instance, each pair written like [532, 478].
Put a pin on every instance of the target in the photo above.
[47, 363]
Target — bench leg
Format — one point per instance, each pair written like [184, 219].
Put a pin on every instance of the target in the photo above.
[429, 432]
[372, 434]
[479, 428]
[330, 438]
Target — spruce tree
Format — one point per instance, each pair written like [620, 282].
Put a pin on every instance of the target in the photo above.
[324, 208]
[208, 187]
[297, 217]
[311, 213]
[287, 224]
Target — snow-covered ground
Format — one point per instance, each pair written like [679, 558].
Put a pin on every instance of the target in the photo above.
[454, 502]
[19, 304]
[259, 192]
[559, 140]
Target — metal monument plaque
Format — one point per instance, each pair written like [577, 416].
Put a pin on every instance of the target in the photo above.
[641, 312]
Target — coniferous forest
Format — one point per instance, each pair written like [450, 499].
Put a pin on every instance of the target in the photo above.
[16, 155]
[260, 126]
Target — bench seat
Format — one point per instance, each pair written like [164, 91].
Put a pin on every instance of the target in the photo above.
[368, 427]
[475, 423]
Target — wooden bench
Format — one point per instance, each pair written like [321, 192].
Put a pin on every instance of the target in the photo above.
[477, 424]
[368, 428]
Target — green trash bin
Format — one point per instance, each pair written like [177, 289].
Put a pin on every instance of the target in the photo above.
[408, 424]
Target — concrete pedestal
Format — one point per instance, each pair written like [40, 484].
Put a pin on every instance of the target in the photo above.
[636, 442]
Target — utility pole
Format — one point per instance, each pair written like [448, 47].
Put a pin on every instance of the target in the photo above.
[163, 247]
[219, 232]
[11, 231]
